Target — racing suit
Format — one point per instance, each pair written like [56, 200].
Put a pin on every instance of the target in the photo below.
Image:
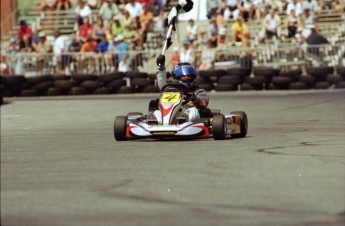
[191, 110]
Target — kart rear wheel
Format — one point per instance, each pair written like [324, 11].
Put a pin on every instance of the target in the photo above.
[219, 128]
[120, 126]
[243, 124]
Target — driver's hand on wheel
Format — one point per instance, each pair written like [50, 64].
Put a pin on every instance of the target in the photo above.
[160, 62]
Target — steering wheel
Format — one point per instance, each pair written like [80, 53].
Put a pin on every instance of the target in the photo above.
[186, 90]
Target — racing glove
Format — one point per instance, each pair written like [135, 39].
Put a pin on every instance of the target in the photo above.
[161, 62]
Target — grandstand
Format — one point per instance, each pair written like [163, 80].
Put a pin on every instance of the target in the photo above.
[270, 64]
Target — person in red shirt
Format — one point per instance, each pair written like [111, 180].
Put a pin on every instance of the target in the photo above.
[63, 4]
[24, 35]
[144, 2]
[86, 30]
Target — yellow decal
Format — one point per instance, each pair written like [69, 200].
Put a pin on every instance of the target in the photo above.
[164, 133]
[172, 97]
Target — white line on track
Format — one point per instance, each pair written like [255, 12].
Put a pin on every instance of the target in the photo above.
[11, 116]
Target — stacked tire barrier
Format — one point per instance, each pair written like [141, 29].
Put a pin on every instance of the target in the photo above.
[232, 79]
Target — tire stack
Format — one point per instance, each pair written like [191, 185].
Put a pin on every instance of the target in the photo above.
[341, 72]
[206, 79]
[15, 85]
[262, 79]
[111, 83]
[3, 88]
[141, 82]
[233, 78]
[319, 75]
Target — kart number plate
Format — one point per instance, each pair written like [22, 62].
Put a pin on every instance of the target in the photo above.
[171, 97]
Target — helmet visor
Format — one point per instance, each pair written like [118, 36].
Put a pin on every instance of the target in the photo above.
[189, 72]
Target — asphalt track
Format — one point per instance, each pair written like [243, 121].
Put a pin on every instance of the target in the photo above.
[60, 164]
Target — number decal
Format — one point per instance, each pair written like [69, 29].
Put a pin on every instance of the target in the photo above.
[172, 97]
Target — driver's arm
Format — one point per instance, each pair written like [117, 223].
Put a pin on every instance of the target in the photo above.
[161, 72]
[201, 98]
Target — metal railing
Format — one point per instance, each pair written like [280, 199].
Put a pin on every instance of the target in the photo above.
[97, 63]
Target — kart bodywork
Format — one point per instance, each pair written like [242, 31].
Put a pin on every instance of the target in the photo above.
[174, 124]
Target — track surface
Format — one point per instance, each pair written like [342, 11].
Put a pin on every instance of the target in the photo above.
[60, 164]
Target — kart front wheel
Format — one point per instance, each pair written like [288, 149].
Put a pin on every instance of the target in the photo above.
[120, 127]
[219, 128]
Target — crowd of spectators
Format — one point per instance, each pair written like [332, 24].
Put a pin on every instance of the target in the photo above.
[107, 26]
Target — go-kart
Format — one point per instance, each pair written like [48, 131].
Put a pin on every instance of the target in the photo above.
[174, 124]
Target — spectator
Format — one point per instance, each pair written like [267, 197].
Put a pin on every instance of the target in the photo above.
[123, 56]
[127, 19]
[271, 25]
[291, 23]
[307, 19]
[232, 9]
[85, 31]
[104, 54]
[239, 30]
[202, 38]
[222, 38]
[296, 5]
[338, 6]
[155, 8]
[186, 54]
[82, 10]
[59, 50]
[259, 10]
[35, 35]
[48, 5]
[247, 9]
[213, 27]
[192, 30]
[143, 2]
[108, 11]
[134, 8]
[63, 4]
[117, 28]
[99, 30]
[175, 57]
[24, 35]
[87, 56]
[208, 57]
[131, 35]
[315, 38]
[212, 6]
[92, 4]
[42, 48]
[312, 5]
[12, 51]
[146, 20]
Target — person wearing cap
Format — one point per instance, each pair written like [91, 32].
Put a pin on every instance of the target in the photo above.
[108, 10]
[122, 48]
[186, 54]
[117, 28]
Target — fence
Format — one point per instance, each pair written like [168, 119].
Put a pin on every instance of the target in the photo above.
[96, 63]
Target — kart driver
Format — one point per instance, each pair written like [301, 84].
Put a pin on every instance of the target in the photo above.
[184, 73]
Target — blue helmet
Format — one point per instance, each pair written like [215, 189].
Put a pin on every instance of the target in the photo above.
[184, 69]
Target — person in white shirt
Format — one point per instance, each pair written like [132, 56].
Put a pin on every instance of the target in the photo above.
[296, 5]
[82, 10]
[271, 25]
[192, 30]
[313, 5]
[135, 9]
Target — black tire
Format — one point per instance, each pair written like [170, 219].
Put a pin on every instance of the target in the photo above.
[203, 80]
[38, 79]
[15, 79]
[206, 86]
[56, 77]
[334, 79]
[28, 93]
[266, 71]
[150, 89]
[340, 85]
[101, 90]
[226, 87]
[230, 79]
[281, 82]
[299, 86]
[110, 77]
[136, 75]
[219, 127]
[140, 82]
[42, 85]
[90, 84]
[243, 124]
[257, 80]
[125, 90]
[241, 72]
[77, 91]
[341, 71]
[64, 84]
[246, 87]
[84, 77]
[322, 85]
[320, 71]
[53, 91]
[294, 74]
[116, 83]
[120, 127]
